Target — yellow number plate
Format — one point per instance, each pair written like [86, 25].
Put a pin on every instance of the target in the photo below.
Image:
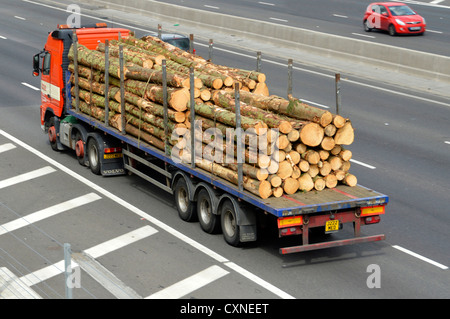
[332, 226]
[112, 155]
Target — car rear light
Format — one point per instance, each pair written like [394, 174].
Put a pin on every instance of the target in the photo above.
[372, 219]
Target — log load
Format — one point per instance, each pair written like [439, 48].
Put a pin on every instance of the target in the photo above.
[288, 146]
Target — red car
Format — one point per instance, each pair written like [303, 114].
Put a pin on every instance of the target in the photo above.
[394, 17]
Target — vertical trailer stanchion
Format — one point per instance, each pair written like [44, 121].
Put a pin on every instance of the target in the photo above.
[192, 109]
[122, 90]
[239, 137]
[258, 61]
[75, 63]
[106, 83]
[289, 88]
[210, 50]
[166, 138]
[337, 77]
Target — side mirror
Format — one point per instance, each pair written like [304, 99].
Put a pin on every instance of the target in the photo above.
[36, 60]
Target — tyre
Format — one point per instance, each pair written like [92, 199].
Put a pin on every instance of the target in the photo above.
[209, 221]
[52, 138]
[230, 228]
[392, 30]
[93, 153]
[185, 207]
[79, 148]
[367, 27]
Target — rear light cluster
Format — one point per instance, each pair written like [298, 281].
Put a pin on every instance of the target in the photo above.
[113, 150]
[372, 219]
[290, 231]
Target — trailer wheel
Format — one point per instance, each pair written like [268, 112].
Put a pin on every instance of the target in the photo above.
[93, 152]
[230, 228]
[185, 207]
[209, 221]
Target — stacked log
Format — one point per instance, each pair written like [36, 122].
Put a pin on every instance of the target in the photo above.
[287, 145]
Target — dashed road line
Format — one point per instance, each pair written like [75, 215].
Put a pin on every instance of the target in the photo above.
[48, 212]
[409, 252]
[190, 284]
[31, 86]
[26, 176]
[99, 250]
[6, 147]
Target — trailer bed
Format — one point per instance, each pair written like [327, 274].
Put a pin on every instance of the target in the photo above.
[329, 199]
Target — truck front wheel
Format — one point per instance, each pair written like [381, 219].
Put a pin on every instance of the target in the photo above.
[52, 138]
[230, 228]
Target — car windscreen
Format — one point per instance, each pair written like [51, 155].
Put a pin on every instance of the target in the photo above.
[401, 11]
[181, 43]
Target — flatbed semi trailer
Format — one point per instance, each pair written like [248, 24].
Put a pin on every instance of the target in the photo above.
[218, 204]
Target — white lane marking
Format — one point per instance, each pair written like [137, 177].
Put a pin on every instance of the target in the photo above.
[190, 284]
[340, 16]
[26, 176]
[140, 213]
[436, 1]
[2, 37]
[318, 104]
[6, 147]
[211, 7]
[258, 280]
[447, 142]
[363, 35]
[281, 20]
[407, 251]
[20, 18]
[30, 86]
[109, 246]
[266, 3]
[121, 241]
[48, 212]
[362, 164]
[428, 30]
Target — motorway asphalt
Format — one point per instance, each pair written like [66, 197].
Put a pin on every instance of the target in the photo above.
[402, 149]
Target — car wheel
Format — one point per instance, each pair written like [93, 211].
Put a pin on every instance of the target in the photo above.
[367, 27]
[391, 30]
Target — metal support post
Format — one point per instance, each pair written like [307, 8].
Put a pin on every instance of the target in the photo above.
[75, 63]
[289, 89]
[165, 104]
[210, 50]
[239, 137]
[337, 77]
[68, 270]
[122, 90]
[106, 82]
[192, 109]
[159, 31]
[258, 61]
[191, 43]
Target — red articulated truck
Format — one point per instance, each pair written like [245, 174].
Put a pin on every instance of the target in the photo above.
[219, 204]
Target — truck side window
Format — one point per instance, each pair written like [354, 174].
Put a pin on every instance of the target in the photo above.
[46, 64]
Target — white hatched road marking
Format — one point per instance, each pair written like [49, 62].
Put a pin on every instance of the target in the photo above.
[26, 176]
[99, 250]
[148, 217]
[190, 284]
[6, 147]
[48, 212]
